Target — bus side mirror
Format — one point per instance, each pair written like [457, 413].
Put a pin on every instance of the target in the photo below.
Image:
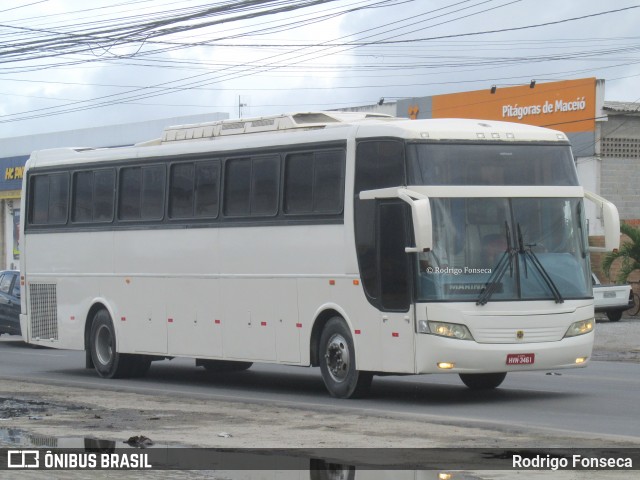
[611, 221]
[420, 214]
[422, 226]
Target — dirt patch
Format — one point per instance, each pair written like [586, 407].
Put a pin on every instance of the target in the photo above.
[117, 416]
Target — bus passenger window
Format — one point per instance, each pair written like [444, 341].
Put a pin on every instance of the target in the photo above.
[207, 188]
[181, 191]
[237, 187]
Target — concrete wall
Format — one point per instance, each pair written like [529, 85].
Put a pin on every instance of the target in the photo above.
[620, 165]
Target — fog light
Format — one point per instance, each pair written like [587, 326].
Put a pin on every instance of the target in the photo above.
[580, 360]
[446, 365]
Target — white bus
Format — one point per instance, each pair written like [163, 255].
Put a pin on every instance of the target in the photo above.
[362, 244]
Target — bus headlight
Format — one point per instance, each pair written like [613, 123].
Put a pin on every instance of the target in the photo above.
[580, 328]
[450, 330]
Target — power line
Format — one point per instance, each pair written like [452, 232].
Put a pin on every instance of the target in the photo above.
[253, 68]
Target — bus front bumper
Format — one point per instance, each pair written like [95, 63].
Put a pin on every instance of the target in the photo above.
[445, 355]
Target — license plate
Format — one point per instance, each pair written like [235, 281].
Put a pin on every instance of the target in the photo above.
[521, 358]
[609, 294]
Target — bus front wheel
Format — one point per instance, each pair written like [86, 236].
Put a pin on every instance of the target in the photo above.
[106, 359]
[338, 362]
[482, 381]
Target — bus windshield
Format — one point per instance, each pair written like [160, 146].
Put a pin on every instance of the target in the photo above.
[490, 164]
[541, 242]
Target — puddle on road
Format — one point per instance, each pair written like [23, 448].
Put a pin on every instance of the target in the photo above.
[163, 456]
[19, 438]
[38, 410]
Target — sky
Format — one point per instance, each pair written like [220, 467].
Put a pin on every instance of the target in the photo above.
[69, 64]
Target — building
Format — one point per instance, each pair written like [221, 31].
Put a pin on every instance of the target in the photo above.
[15, 151]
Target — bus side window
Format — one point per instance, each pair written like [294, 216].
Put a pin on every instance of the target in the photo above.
[49, 198]
[392, 260]
[252, 186]
[379, 164]
[314, 182]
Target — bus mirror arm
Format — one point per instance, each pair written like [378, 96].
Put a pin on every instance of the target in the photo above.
[420, 214]
[611, 221]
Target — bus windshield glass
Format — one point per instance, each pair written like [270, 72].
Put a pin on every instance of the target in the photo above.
[490, 164]
[539, 244]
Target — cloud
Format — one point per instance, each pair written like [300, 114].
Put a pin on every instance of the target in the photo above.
[287, 74]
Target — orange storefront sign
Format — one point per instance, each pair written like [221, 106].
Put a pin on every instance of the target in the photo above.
[568, 106]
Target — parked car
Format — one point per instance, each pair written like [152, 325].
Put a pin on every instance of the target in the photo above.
[10, 302]
[611, 299]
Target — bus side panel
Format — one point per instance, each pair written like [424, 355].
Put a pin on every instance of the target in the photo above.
[139, 313]
[289, 326]
[61, 282]
[194, 317]
[347, 299]
[263, 320]
[249, 319]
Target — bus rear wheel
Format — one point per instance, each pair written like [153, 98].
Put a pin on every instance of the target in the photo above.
[338, 362]
[106, 359]
[482, 381]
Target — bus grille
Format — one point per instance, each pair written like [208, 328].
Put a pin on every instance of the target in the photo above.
[44, 307]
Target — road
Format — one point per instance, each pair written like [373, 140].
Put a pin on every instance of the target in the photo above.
[600, 401]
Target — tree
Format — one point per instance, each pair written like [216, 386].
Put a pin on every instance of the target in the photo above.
[629, 253]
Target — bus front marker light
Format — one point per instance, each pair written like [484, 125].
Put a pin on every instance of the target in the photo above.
[580, 328]
[446, 365]
[423, 326]
[581, 360]
[450, 330]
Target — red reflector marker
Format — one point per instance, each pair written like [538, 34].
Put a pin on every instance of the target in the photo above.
[123, 319]
[170, 320]
[264, 324]
[72, 318]
[217, 322]
[298, 325]
[395, 334]
[357, 332]
[332, 282]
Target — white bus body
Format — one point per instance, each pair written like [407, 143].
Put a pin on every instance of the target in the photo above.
[308, 270]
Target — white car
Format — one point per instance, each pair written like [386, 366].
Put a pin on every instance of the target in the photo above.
[611, 299]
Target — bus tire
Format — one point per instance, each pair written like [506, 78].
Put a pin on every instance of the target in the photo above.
[338, 362]
[482, 381]
[102, 344]
[223, 366]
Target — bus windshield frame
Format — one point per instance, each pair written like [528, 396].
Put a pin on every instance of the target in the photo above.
[492, 248]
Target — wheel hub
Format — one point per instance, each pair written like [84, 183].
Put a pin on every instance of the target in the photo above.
[104, 345]
[337, 358]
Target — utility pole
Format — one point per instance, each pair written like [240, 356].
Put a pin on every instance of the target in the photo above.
[240, 105]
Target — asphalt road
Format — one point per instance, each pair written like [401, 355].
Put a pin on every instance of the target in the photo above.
[597, 401]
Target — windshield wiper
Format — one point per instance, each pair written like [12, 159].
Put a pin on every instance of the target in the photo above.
[529, 254]
[506, 260]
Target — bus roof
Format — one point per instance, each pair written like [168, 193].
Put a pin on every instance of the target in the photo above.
[305, 127]
[370, 124]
